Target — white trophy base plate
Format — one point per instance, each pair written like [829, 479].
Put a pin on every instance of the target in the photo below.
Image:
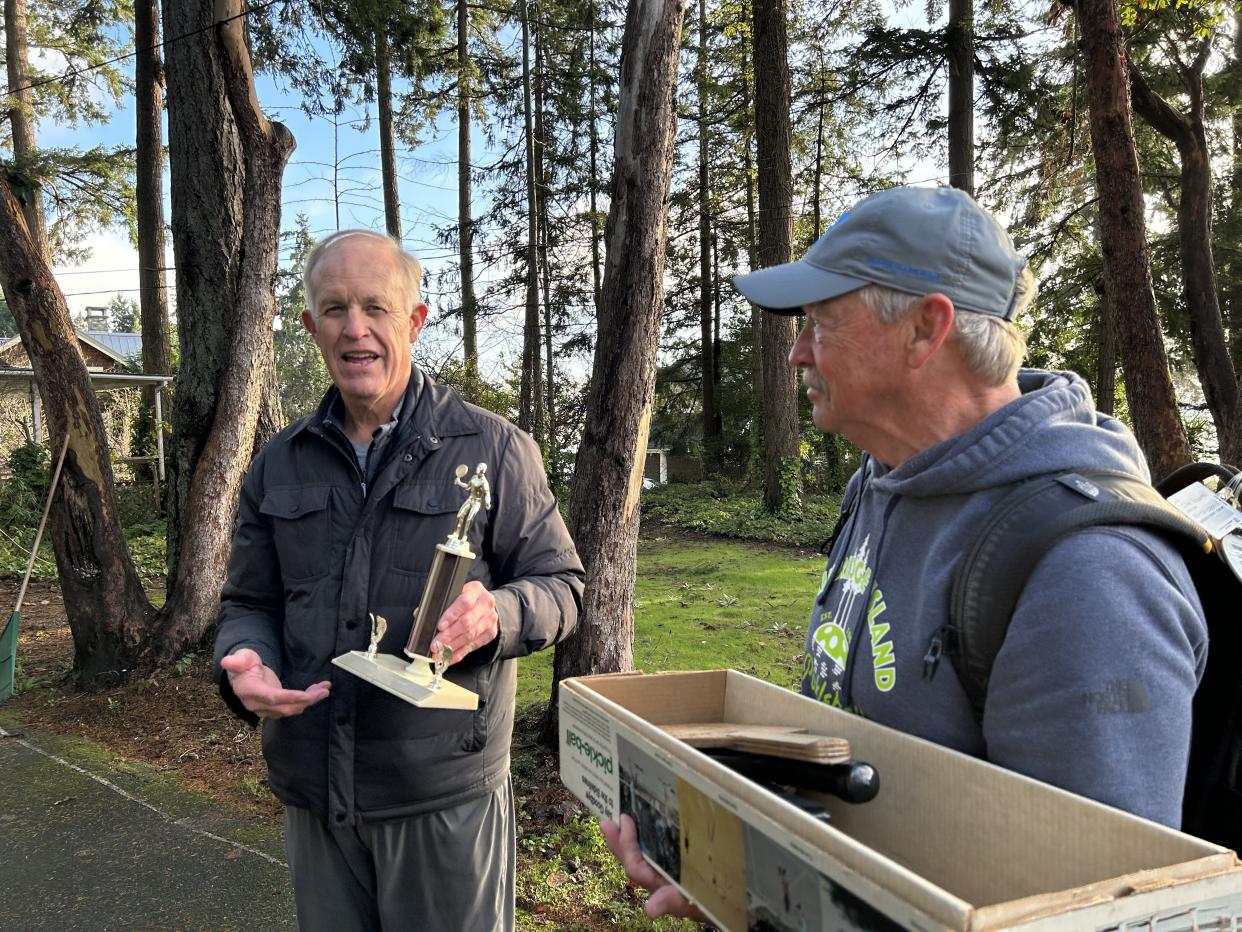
[413, 682]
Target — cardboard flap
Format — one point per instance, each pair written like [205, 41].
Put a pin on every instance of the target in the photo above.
[665, 698]
[951, 842]
[887, 885]
[1028, 909]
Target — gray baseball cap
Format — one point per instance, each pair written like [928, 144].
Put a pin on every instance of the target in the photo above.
[916, 240]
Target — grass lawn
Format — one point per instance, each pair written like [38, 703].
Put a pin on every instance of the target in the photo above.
[708, 604]
[701, 604]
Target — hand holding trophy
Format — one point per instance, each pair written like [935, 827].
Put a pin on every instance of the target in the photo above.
[421, 682]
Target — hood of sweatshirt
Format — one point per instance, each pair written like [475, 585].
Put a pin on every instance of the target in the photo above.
[1052, 427]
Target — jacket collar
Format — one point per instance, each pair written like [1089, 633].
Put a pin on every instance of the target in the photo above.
[440, 411]
[435, 410]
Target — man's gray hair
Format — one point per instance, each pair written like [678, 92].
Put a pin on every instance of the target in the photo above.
[409, 263]
[992, 347]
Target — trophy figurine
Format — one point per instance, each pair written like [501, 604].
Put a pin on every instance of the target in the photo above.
[421, 681]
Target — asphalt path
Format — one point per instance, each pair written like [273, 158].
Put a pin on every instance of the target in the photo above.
[94, 844]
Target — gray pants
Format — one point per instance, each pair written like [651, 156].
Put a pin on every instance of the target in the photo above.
[450, 870]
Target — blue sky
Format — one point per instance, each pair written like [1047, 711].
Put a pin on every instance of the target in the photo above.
[328, 158]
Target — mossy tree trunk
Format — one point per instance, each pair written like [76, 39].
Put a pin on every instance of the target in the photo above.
[781, 485]
[107, 610]
[227, 160]
[608, 475]
[1123, 241]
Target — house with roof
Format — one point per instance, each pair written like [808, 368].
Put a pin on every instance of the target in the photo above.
[114, 363]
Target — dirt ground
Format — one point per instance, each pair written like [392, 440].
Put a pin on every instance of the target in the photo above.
[175, 721]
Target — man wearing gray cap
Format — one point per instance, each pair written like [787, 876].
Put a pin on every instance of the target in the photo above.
[909, 351]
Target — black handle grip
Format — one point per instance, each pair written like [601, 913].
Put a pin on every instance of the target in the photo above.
[853, 781]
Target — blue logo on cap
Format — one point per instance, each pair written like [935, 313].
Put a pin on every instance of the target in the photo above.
[841, 219]
[889, 266]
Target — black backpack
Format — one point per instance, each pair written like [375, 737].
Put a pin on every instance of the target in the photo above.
[1015, 535]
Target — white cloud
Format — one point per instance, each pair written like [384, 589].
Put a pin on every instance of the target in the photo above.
[111, 268]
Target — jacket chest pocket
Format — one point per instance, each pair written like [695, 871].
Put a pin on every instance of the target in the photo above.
[300, 530]
[425, 514]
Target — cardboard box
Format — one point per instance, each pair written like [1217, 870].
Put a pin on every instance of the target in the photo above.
[950, 842]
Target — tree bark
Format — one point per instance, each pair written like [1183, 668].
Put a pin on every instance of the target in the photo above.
[817, 184]
[607, 479]
[21, 115]
[961, 42]
[388, 139]
[149, 190]
[227, 160]
[1194, 237]
[752, 260]
[711, 417]
[530, 402]
[465, 200]
[1233, 285]
[551, 452]
[781, 481]
[1106, 357]
[1123, 241]
[597, 234]
[104, 601]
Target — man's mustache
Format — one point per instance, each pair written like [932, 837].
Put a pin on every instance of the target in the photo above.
[811, 379]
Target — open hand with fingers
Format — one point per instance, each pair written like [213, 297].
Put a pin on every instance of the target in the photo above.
[469, 623]
[666, 899]
[258, 687]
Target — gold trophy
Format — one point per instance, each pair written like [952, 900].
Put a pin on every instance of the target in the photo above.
[421, 682]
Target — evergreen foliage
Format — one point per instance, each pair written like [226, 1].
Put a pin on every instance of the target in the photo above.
[301, 375]
[728, 508]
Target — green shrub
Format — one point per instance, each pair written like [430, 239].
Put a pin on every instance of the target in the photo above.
[728, 509]
[21, 497]
[149, 549]
[138, 504]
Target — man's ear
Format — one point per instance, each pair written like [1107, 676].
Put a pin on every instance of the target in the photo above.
[418, 317]
[931, 321]
[308, 322]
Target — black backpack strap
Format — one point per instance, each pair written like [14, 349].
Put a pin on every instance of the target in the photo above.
[1014, 536]
[852, 493]
[1186, 475]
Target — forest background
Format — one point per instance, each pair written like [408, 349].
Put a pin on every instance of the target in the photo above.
[614, 167]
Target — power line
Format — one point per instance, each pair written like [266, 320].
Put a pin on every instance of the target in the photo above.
[83, 294]
[162, 268]
[74, 72]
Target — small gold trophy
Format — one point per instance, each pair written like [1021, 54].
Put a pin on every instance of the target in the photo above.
[421, 682]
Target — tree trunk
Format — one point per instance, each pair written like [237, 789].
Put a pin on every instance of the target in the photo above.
[597, 234]
[106, 607]
[781, 480]
[530, 406]
[149, 191]
[961, 42]
[608, 475]
[21, 115]
[1106, 357]
[465, 200]
[227, 160]
[1233, 285]
[1123, 241]
[817, 184]
[388, 141]
[551, 454]
[711, 419]
[1194, 237]
[756, 315]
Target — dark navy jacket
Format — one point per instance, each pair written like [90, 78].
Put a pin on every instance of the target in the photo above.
[312, 557]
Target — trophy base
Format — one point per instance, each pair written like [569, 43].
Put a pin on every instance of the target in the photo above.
[413, 682]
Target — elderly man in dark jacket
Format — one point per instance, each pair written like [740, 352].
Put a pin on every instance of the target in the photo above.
[395, 816]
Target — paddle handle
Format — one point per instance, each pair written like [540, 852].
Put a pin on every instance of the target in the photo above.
[47, 506]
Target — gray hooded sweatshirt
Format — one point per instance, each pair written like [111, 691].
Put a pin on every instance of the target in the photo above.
[1092, 688]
